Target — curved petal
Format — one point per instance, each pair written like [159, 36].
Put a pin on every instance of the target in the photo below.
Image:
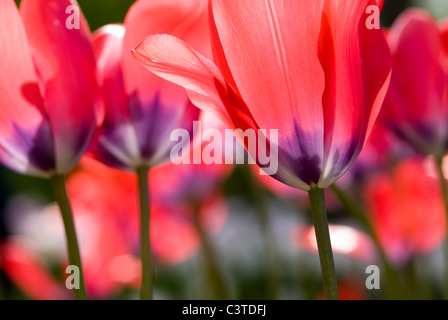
[281, 83]
[26, 143]
[357, 65]
[175, 61]
[65, 64]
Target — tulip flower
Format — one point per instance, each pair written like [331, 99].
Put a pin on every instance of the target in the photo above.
[312, 70]
[141, 110]
[48, 96]
[416, 104]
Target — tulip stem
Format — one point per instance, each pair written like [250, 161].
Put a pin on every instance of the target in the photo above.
[444, 193]
[218, 288]
[319, 213]
[146, 289]
[60, 194]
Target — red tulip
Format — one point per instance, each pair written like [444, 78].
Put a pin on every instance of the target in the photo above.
[141, 109]
[416, 104]
[48, 88]
[406, 210]
[310, 69]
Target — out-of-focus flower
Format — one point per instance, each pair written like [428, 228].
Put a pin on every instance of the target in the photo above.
[28, 272]
[48, 88]
[141, 109]
[345, 240]
[406, 210]
[323, 100]
[416, 105]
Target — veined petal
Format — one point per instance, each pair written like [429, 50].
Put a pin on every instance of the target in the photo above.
[281, 83]
[26, 141]
[356, 81]
[66, 69]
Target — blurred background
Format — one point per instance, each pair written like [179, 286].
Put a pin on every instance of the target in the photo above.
[262, 243]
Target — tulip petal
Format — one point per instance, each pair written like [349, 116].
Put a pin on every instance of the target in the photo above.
[356, 82]
[65, 64]
[26, 142]
[281, 83]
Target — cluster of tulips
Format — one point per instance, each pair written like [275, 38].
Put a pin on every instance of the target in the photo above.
[361, 115]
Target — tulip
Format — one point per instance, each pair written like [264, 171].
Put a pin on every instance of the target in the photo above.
[416, 104]
[141, 110]
[48, 96]
[313, 70]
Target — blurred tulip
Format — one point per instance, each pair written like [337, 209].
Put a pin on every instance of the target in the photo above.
[141, 110]
[406, 210]
[48, 88]
[416, 104]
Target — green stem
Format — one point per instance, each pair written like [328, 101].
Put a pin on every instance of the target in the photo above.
[444, 193]
[60, 194]
[146, 289]
[218, 288]
[395, 287]
[264, 221]
[319, 212]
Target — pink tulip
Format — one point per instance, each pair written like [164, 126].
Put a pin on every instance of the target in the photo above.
[48, 88]
[141, 109]
[416, 104]
[311, 69]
